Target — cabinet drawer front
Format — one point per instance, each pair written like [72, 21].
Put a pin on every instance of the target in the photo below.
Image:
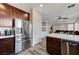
[53, 42]
[53, 45]
[53, 51]
[7, 46]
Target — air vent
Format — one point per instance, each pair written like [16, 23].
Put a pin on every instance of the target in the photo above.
[71, 5]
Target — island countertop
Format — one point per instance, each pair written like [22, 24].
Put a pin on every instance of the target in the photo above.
[65, 36]
[3, 37]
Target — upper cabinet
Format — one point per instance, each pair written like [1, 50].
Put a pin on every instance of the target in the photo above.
[4, 11]
[17, 13]
[26, 16]
[8, 12]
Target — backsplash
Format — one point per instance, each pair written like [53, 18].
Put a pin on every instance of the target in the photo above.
[67, 32]
[5, 31]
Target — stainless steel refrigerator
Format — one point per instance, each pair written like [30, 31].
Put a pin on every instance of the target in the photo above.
[22, 38]
[26, 43]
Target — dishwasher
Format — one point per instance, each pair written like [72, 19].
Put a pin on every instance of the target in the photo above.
[73, 48]
[69, 48]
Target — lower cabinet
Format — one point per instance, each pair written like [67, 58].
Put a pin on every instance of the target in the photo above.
[56, 46]
[53, 45]
[7, 46]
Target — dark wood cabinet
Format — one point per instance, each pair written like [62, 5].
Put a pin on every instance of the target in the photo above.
[20, 14]
[8, 11]
[4, 10]
[16, 13]
[26, 16]
[5, 15]
[7, 46]
[56, 46]
[53, 45]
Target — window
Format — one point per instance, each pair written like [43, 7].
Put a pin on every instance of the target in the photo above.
[70, 26]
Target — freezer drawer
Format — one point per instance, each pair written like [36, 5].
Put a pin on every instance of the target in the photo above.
[25, 44]
[18, 46]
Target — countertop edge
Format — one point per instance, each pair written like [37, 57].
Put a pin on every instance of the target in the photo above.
[3, 37]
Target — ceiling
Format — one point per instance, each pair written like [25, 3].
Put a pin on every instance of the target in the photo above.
[51, 11]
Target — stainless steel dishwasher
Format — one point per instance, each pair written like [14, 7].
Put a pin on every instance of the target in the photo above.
[69, 48]
[73, 48]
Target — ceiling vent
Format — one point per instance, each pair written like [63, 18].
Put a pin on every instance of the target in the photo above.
[70, 6]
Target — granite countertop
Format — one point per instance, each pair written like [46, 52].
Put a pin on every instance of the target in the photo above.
[3, 37]
[65, 36]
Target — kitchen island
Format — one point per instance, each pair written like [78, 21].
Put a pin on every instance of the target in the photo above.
[58, 44]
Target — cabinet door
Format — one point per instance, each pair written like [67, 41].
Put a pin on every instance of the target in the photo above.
[7, 46]
[1, 47]
[5, 15]
[53, 45]
[5, 10]
[63, 47]
[26, 16]
[16, 13]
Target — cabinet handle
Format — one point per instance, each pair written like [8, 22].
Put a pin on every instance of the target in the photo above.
[67, 44]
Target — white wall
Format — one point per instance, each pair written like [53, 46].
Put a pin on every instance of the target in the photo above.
[43, 33]
[37, 33]
[37, 26]
[48, 25]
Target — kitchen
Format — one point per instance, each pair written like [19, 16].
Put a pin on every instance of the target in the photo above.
[24, 26]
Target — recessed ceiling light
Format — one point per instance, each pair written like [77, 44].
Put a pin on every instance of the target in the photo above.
[41, 5]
